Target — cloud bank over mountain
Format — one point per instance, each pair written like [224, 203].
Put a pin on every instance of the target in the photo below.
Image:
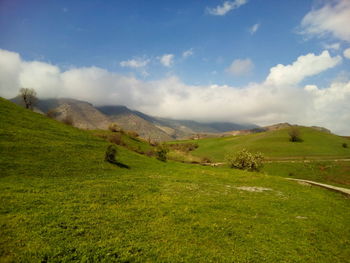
[279, 98]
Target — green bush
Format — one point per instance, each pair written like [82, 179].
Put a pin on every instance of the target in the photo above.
[161, 153]
[246, 160]
[294, 134]
[345, 145]
[111, 153]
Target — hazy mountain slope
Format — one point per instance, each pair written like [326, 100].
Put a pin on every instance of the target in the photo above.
[84, 115]
[129, 120]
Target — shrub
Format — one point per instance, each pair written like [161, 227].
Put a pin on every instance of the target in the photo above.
[133, 134]
[68, 120]
[113, 127]
[51, 113]
[116, 139]
[161, 153]
[184, 147]
[110, 154]
[294, 134]
[205, 160]
[345, 145]
[245, 160]
[150, 153]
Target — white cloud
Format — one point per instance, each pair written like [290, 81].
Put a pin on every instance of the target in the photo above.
[304, 66]
[135, 63]
[346, 53]
[334, 46]
[187, 53]
[167, 60]
[240, 67]
[261, 103]
[226, 7]
[333, 18]
[254, 28]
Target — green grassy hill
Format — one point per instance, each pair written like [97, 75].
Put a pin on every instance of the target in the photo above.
[276, 145]
[61, 202]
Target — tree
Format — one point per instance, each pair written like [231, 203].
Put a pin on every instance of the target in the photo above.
[29, 97]
[294, 134]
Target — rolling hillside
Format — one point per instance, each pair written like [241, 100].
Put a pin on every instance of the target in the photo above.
[275, 144]
[61, 202]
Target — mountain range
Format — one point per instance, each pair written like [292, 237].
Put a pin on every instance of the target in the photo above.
[85, 115]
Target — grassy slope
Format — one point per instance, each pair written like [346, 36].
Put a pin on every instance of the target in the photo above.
[59, 201]
[276, 144]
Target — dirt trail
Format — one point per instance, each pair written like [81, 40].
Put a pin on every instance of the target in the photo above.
[327, 186]
[306, 160]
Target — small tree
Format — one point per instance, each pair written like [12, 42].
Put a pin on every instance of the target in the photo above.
[28, 97]
[345, 145]
[245, 160]
[110, 154]
[294, 134]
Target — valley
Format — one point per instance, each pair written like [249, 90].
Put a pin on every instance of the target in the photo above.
[60, 201]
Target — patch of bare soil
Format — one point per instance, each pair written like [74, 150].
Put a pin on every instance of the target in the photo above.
[253, 189]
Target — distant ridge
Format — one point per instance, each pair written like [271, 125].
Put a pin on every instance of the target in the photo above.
[87, 116]
[273, 127]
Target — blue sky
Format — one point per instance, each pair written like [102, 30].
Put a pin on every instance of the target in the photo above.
[104, 33]
[198, 43]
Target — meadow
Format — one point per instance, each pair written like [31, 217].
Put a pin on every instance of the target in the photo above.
[61, 202]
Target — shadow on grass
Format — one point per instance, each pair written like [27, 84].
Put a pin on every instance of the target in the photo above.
[121, 165]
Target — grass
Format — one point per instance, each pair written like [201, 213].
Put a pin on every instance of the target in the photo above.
[60, 202]
[330, 172]
[276, 145]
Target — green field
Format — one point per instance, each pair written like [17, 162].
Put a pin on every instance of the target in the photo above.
[319, 157]
[61, 202]
[276, 145]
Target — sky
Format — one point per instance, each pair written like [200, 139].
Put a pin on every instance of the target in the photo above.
[251, 61]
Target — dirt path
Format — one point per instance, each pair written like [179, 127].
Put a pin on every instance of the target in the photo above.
[327, 186]
[306, 160]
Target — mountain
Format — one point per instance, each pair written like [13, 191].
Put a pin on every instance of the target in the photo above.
[130, 120]
[174, 128]
[84, 115]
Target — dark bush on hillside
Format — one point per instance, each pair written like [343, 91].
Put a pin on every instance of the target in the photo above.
[110, 154]
[68, 120]
[345, 145]
[113, 127]
[116, 139]
[161, 153]
[294, 134]
[184, 147]
[245, 160]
